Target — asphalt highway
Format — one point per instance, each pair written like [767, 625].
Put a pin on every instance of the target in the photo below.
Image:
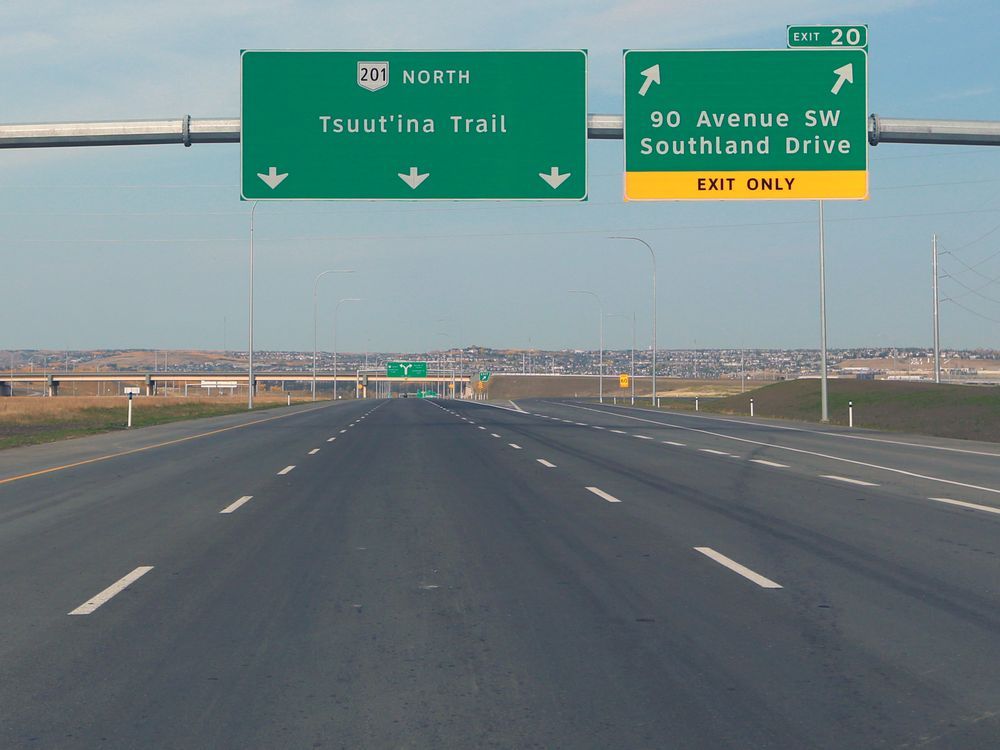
[446, 574]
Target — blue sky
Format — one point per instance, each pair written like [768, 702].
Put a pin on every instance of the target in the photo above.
[146, 246]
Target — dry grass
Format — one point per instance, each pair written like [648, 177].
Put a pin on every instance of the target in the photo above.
[32, 409]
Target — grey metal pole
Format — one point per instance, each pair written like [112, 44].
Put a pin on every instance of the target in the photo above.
[824, 406]
[253, 209]
[633, 357]
[652, 257]
[320, 275]
[336, 311]
[600, 370]
[937, 330]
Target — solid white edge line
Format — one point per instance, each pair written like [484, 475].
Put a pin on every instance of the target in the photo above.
[769, 463]
[545, 463]
[515, 446]
[764, 583]
[963, 504]
[776, 446]
[237, 504]
[286, 470]
[115, 588]
[848, 480]
[604, 495]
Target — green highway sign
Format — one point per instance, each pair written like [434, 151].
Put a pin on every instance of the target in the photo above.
[340, 125]
[828, 36]
[406, 370]
[484, 376]
[757, 124]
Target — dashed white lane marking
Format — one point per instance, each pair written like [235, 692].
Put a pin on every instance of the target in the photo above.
[237, 504]
[597, 427]
[515, 446]
[672, 442]
[618, 432]
[734, 566]
[286, 470]
[643, 437]
[602, 494]
[776, 446]
[543, 462]
[314, 451]
[343, 431]
[581, 424]
[481, 427]
[331, 439]
[963, 504]
[769, 463]
[493, 434]
[848, 480]
[115, 588]
[471, 421]
[717, 453]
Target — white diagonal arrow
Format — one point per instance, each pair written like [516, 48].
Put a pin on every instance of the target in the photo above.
[652, 75]
[554, 178]
[272, 179]
[845, 73]
[413, 179]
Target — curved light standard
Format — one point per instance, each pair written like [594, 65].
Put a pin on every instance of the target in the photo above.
[626, 317]
[652, 256]
[335, 311]
[320, 275]
[600, 305]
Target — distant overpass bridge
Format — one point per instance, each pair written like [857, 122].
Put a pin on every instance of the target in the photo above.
[50, 382]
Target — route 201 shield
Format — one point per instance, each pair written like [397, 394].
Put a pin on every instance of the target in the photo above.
[373, 75]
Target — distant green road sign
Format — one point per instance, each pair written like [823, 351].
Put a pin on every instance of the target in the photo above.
[484, 376]
[757, 124]
[406, 370]
[828, 36]
[414, 125]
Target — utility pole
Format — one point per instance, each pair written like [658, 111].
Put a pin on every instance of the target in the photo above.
[937, 330]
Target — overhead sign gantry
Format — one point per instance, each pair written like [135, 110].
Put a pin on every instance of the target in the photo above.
[484, 125]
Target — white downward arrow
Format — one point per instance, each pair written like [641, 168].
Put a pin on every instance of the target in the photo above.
[554, 178]
[845, 73]
[652, 75]
[413, 179]
[272, 179]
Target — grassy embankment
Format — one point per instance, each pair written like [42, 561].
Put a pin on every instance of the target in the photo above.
[30, 420]
[957, 411]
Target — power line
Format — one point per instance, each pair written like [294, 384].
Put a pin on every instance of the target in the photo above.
[970, 289]
[972, 268]
[970, 310]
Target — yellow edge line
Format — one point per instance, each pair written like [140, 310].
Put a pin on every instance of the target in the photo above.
[96, 459]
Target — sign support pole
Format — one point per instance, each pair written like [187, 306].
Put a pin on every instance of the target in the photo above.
[253, 208]
[824, 407]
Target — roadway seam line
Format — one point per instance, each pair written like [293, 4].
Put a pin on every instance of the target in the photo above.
[114, 589]
[769, 463]
[97, 459]
[545, 463]
[237, 504]
[604, 495]
[879, 467]
[314, 451]
[848, 480]
[963, 504]
[286, 470]
[726, 562]
[515, 446]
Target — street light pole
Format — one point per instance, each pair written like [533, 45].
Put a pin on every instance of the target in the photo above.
[600, 306]
[652, 256]
[335, 312]
[320, 275]
[253, 209]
